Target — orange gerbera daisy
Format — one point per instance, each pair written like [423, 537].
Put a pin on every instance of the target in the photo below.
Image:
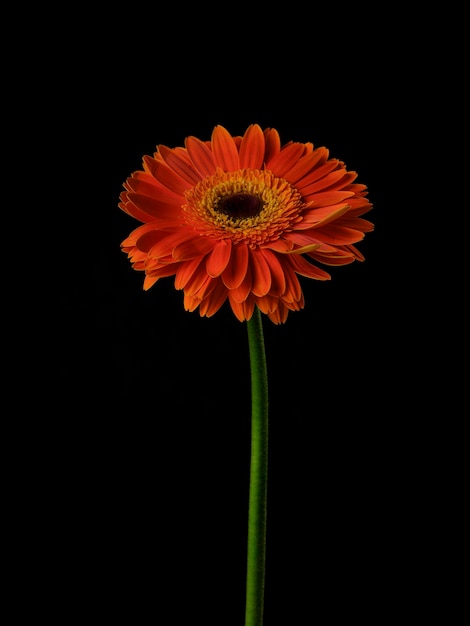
[240, 218]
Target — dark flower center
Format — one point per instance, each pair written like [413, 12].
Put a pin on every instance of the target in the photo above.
[240, 205]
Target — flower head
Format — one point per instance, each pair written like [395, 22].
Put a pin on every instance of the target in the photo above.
[238, 219]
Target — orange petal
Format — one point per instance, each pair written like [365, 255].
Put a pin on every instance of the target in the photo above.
[315, 217]
[279, 316]
[154, 206]
[285, 159]
[326, 198]
[190, 303]
[317, 173]
[242, 292]
[218, 259]
[201, 156]
[339, 235]
[293, 292]
[304, 165]
[131, 209]
[166, 244]
[278, 279]
[339, 257]
[186, 271]
[332, 180]
[280, 245]
[131, 240]
[149, 281]
[179, 165]
[261, 273]
[214, 301]
[273, 144]
[168, 177]
[252, 148]
[235, 272]
[192, 248]
[225, 150]
[151, 188]
[199, 283]
[243, 310]
[304, 268]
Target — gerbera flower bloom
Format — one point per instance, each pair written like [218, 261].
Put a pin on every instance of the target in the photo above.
[240, 218]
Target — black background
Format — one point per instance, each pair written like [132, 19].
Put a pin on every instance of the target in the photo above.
[142, 478]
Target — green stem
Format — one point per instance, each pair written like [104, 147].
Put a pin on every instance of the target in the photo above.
[256, 555]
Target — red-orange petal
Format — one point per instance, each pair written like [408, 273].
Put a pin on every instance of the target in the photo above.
[149, 186]
[242, 292]
[199, 283]
[261, 273]
[224, 150]
[318, 172]
[280, 245]
[155, 207]
[186, 271]
[214, 301]
[166, 244]
[218, 259]
[285, 159]
[179, 165]
[192, 248]
[272, 142]
[325, 198]
[201, 155]
[278, 279]
[293, 291]
[243, 310]
[136, 233]
[252, 148]
[149, 281]
[235, 272]
[325, 182]
[321, 215]
[304, 165]
[304, 268]
[339, 235]
[168, 177]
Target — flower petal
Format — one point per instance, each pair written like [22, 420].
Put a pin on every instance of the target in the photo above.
[278, 279]
[199, 283]
[280, 245]
[304, 268]
[186, 271]
[167, 176]
[339, 235]
[304, 165]
[214, 301]
[225, 150]
[285, 159]
[218, 259]
[155, 207]
[201, 156]
[317, 173]
[327, 197]
[322, 215]
[293, 292]
[273, 144]
[166, 244]
[179, 165]
[252, 148]
[192, 248]
[261, 273]
[243, 310]
[242, 292]
[235, 272]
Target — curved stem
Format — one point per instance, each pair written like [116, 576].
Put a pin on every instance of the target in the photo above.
[256, 555]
